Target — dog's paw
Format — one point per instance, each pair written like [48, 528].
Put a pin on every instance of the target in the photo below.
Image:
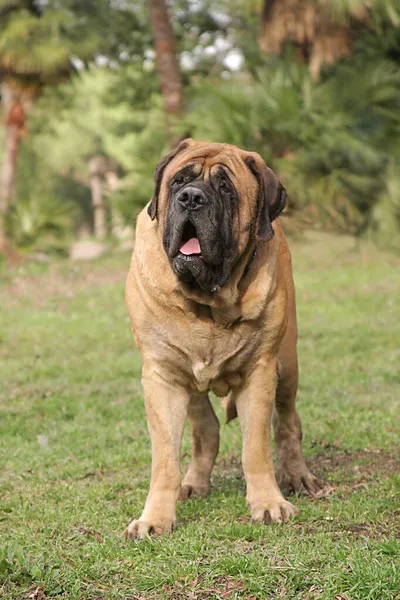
[278, 511]
[303, 482]
[140, 529]
[188, 491]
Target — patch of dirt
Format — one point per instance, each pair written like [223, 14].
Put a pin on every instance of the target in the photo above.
[359, 467]
[221, 588]
[228, 473]
[376, 531]
[229, 462]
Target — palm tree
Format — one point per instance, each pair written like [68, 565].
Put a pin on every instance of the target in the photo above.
[166, 60]
[35, 51]
[321, 30]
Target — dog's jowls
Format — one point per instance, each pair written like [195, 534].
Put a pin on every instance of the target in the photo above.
[211, 300]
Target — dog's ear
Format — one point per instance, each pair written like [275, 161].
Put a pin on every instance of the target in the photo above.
[271, 197]
[158, 175]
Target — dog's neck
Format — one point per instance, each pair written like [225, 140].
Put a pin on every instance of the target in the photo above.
[236, 301]
[226, 296]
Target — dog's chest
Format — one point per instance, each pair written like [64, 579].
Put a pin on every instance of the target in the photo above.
[218, 356]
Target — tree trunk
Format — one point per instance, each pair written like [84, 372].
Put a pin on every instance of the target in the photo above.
[97, 170]
[15, 106]
[7, 177]
[166, 59]
[99, 208]
[117, 222]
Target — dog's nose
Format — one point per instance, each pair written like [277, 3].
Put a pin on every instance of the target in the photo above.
[192, 198]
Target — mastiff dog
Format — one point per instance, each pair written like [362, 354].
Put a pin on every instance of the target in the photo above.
[211, 301]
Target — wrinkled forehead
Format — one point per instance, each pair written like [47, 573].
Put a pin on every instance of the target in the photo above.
[207, 159]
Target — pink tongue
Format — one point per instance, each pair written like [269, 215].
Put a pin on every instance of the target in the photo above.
[191, 247]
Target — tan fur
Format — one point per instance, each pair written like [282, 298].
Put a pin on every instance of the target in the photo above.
[239, 341]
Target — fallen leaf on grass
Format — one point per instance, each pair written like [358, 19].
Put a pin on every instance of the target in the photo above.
[327, 490]
[92, 533]
[37, 594]
[231, 585]
[93, 474]
[127, 562]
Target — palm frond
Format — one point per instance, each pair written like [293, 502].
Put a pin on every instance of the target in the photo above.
[41, 223]
[41, 47]
[322, 30]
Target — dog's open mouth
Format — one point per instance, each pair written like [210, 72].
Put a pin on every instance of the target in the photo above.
[190, 244]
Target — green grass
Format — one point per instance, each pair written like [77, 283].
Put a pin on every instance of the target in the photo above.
[75, 452]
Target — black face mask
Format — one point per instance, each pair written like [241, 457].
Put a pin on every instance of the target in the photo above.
[198, 238]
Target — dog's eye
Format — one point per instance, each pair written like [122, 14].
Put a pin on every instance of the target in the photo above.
[180, 179]
[224, 186]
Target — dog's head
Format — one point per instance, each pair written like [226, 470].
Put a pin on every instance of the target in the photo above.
[212, 201]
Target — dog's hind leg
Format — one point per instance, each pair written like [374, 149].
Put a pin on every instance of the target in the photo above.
[205, 436]
[293, 474]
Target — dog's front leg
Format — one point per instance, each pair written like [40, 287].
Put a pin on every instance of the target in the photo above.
[254, 402]
[166, 409]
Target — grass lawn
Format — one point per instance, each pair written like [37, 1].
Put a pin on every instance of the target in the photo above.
[75, 452]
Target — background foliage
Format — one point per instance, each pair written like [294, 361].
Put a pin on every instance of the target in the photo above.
[333, 136]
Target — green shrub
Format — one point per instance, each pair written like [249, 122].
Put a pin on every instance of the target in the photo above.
[41, 224]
